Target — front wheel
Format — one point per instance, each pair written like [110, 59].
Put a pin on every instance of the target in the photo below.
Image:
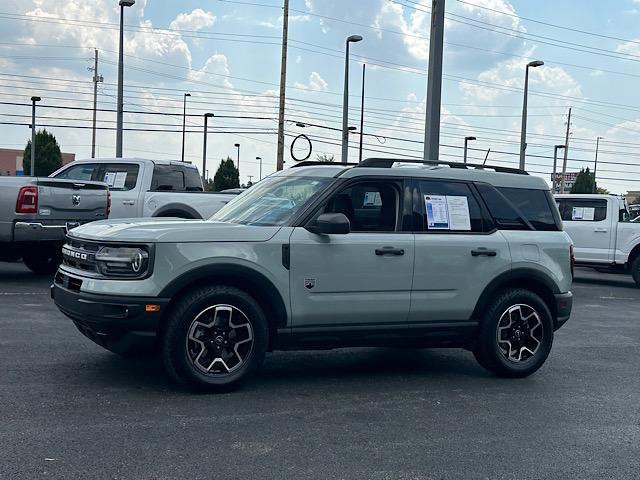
[516, 334]
[215, 338]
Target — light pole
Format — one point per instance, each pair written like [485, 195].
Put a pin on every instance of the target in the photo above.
[184, 120]
[207, 116]
[523, 131]
[466, 141]
[237, 145]
[33, 134]
[123, 3]
[554, 181]
[345, 101]
[260, 160]
[364, 66]
[595, 164]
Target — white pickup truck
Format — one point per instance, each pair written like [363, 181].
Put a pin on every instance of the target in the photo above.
[148, 188]
[603, 235]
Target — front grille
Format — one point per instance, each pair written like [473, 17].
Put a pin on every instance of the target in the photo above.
[68, 282]
[80, 255]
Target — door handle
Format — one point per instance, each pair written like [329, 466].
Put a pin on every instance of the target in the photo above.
[484, 252]
[600, 230]
[128, 202]
[390, 251]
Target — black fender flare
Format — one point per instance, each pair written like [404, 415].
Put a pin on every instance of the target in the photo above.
[188, 211]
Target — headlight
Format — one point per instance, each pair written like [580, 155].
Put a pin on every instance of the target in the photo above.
[123, 262]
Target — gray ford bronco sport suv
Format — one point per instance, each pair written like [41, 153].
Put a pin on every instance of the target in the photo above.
[384, 253]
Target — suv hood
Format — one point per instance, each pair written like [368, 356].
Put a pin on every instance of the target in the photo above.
[171, 230]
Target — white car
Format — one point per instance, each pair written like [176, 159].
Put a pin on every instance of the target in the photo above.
[603, 235]
[149, 188]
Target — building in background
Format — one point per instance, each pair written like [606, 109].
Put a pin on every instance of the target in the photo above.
[569, 180]
[11, 161]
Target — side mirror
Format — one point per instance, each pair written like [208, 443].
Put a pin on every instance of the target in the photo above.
[331, 223]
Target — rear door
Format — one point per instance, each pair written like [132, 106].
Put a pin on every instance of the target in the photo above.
[124, 180]
[589, 223]
[458, 251]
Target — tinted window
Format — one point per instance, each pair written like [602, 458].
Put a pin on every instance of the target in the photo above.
[506, 217]
[534, 205]
[369, 206]
[447, 206]
[82, 171]
[120, 176]
[168, 178]
[582, 210]
[193, 182]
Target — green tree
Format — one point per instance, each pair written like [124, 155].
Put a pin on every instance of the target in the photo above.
[325, 157]
[584, 182]
[48, 156]
[602, 191]
[226, 176]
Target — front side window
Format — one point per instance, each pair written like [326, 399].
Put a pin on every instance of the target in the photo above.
[446, 206]
[369, 206]
[271, 202]
[582, 210]
[120, 176]
[81, 171]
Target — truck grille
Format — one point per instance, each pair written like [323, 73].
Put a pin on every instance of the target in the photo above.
[80, 255]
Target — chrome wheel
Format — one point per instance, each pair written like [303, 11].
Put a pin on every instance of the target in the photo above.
[219, 340]
[519, 333]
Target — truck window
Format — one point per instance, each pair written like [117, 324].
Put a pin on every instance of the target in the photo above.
[120, 177]
[168, 178]
[536, 206]
[82, 171]
[444, 199]
[192, 180]
[582, 210]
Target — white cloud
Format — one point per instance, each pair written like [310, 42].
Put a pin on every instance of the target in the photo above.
[216, 68]
[195, 20]
[316, 83]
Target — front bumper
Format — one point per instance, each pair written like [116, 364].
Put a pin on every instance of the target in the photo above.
[564, 303]
[117, 323]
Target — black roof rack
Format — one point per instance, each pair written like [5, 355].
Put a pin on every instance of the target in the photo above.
[388, 163]
[311, 163]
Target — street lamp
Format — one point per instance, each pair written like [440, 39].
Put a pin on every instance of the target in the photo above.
[554, 180]
[466, 141]
[33, 134]
[260, 160]
[184, 120]
[123, 3]
[595, 164]
[237, 145]
[523, 131]
[207, 116]
[345, 101]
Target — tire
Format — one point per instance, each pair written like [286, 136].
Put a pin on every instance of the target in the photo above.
[530, 339]
[635, 270]
[43, 260]
[215, 338]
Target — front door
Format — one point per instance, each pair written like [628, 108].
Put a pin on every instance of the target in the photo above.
[358, 279]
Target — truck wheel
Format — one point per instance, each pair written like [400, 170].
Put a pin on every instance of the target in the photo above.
[43, 260]
[516, 334]
[215, 338]
[635, 270]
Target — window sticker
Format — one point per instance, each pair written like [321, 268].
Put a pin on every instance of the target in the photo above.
[109, 178]
[577, 213]
[121, 178]
[589, 213]
[372, 199]
[447, 212]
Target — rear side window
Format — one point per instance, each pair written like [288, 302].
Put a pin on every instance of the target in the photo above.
[120, 176]
[193, 182]
[582, 210]
[445, 206]
[168, 178]
[501, 209]
[535, 205]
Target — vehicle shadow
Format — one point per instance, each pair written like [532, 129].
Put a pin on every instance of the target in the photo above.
[617, 281]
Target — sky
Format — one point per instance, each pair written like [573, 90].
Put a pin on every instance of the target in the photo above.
[226, 54]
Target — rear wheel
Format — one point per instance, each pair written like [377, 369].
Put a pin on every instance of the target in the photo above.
[635, 270]
[43, 260]
[215, 338]
[516, 334]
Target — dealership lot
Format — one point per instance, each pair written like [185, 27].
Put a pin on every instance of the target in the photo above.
[70, 408]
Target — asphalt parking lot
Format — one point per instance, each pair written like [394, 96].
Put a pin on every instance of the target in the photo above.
[69, 409]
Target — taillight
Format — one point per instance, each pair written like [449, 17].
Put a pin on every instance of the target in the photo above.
[108, 210]
[27, 200]
[572, 259]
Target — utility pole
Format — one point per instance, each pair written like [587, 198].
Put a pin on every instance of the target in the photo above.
[96, 79]
[434, 82]
[554, 175]
[566, 152]
[595, 163]
[283, 82]
[362, 113]
[207, 116]
[33, 134]
[184, 120]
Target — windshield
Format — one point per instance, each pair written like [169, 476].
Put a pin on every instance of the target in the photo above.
[271, 202]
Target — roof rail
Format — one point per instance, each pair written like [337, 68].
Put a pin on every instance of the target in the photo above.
[388, 163]
[311, 163]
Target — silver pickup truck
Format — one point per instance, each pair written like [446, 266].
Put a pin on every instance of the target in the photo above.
[36, 213]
